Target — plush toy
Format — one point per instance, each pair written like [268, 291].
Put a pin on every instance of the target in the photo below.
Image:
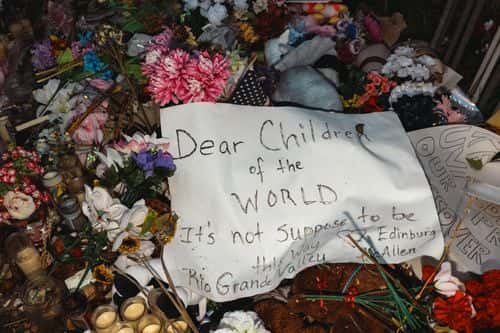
[325, 13]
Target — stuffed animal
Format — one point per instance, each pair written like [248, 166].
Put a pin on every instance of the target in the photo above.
[325, 13]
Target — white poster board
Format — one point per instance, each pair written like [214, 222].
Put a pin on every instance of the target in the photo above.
[263, 193]
[443, 152]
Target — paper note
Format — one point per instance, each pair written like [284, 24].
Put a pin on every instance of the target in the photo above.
[443, 152]
[263, 193]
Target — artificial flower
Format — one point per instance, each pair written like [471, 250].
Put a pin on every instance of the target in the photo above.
[241, 322]
[455, 311]
[216, 14]
[139, 142]
[103, 274]
[241, 5]
[101, 209]
[19, 205]
[130, 224]
[148, 161]
[42, 57]
[446, 109]
[445, 283]
[259, 6]
[90, 130]
[129, 245]
[112, 159]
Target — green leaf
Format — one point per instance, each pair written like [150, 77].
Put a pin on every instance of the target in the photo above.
[133, 25]
[134, 70]
[148, 222]
[65, 57]
[475, 164]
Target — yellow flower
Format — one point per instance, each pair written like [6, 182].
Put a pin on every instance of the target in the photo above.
[248, 33]
[130, 245]
[165, 227]
[103, 274]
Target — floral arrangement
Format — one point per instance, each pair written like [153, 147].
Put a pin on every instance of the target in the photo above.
[20, 196]
[177, 76]
[137, 167]
[376, 93]
[404, 63]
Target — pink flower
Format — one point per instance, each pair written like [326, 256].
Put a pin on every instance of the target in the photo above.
[175, 76]
[445, 283]
[131, 146]
[91, 129]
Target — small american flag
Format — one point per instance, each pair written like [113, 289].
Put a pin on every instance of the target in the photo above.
[249, 91]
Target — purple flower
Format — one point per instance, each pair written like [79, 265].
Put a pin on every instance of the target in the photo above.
[42, 57]
[148, 161]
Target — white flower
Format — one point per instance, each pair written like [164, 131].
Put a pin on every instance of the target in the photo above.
[445, 283]
[101, 209]
[19, 205]
[111, 159]
[241, 5]
[131, 223]
[403, 72]
[205, 4]
[241, 322]
[58, 100]
[216, 14]
[405, 51]
[190, 5]
[259, 6]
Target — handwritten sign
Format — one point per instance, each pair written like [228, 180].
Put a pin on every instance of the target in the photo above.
[263, 193]
[443, 152]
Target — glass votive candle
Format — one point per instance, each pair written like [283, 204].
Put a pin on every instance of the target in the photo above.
[133, 309]
[104, 318]
[178, 326]
[149, 324]
[124, 327]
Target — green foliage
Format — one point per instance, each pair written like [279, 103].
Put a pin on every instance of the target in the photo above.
[475, 164]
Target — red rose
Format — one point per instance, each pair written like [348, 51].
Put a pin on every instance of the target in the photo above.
[454, 311]
[372, 106]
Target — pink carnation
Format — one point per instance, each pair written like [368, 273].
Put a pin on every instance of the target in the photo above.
[175, 76]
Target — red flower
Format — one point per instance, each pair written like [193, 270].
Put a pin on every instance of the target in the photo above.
[427, 271]
[474, 287]
[491, 280]
[455, 311]
[371, 89]
[372, 106]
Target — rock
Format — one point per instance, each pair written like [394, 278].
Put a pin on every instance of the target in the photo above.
[137, 44]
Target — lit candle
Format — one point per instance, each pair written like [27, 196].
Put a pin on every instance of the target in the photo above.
[151, 328]
[125, 330]
[105, 319]
[177, 327]
[134, 311]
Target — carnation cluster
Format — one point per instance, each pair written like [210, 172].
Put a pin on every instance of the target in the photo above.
[176, 76]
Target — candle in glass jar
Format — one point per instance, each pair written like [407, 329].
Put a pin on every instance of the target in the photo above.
[134, 311]
[105, 319]
[125, 330]
[151, 328]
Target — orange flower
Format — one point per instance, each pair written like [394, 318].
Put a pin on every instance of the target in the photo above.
[371, 89]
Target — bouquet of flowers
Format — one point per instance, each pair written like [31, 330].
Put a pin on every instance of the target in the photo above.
[19, 194]
[136, 168]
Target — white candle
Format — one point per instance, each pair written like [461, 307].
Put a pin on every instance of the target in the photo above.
[105, 319]
[151, 328]
[178, 326]
[125, 330]
[134, 311]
